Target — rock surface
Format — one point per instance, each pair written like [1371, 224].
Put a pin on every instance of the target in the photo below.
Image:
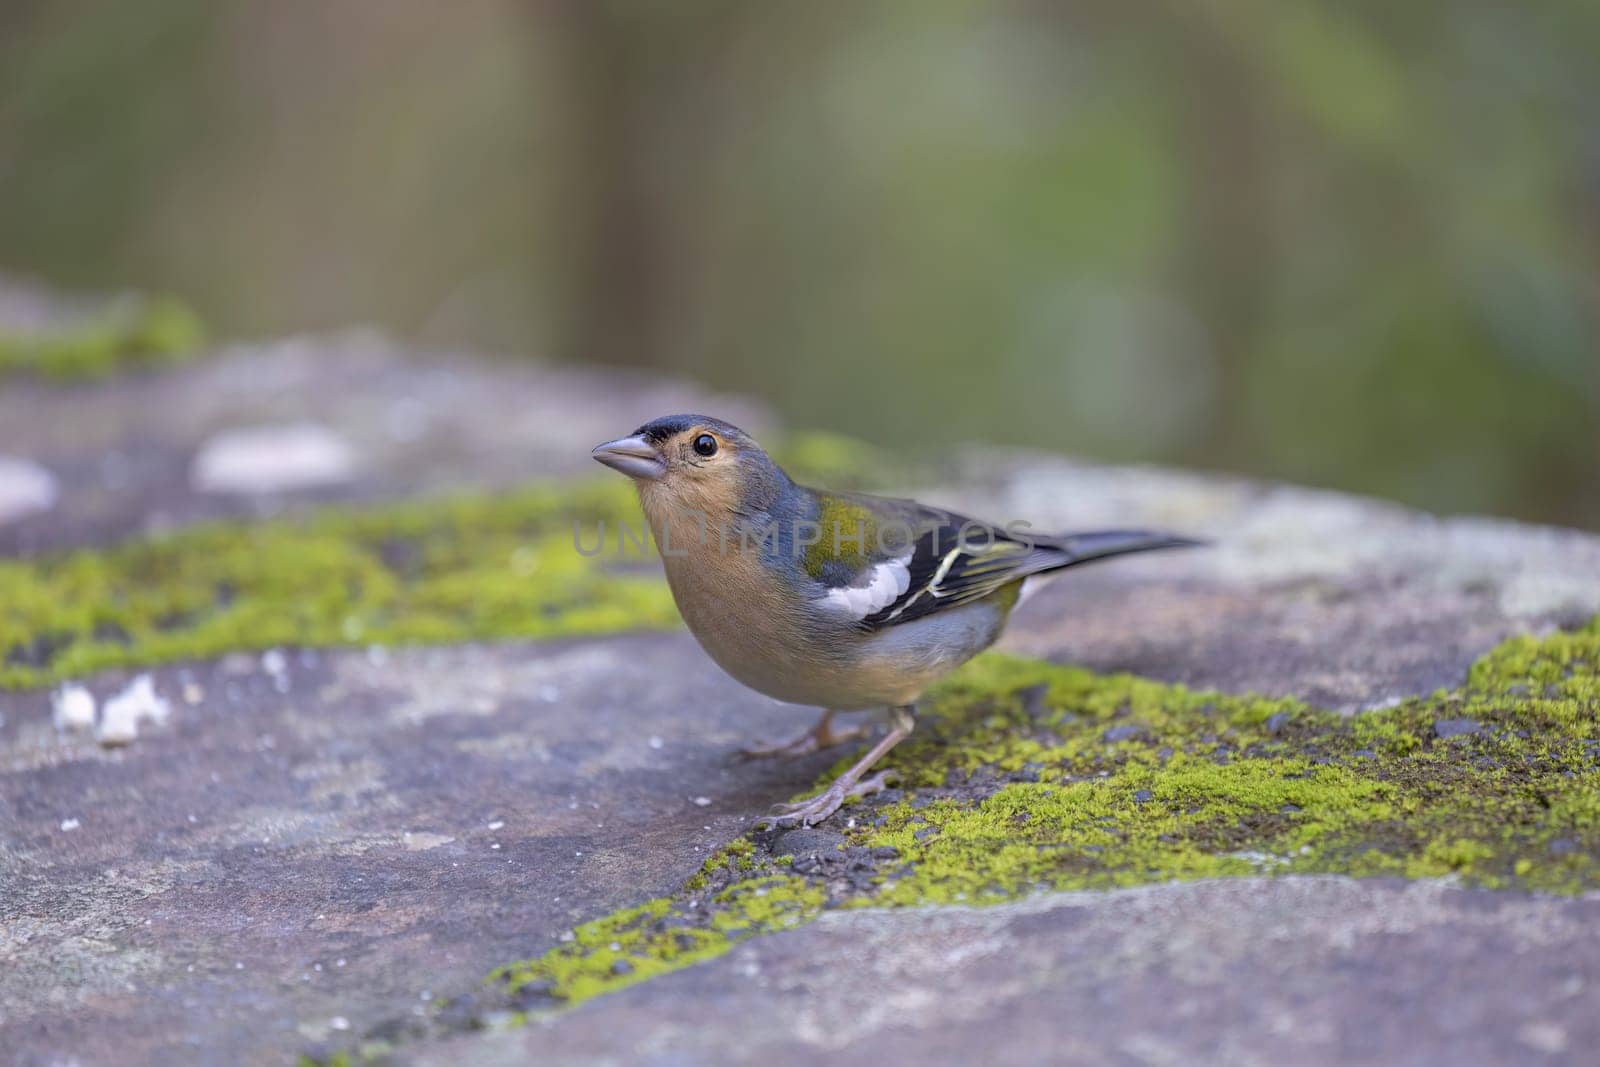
[332, 839]
[299, 811]
[144, 453]
[1343, 602]
[1245, 972]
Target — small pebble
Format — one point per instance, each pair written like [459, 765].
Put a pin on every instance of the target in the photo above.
[68, 825]
[702, 802]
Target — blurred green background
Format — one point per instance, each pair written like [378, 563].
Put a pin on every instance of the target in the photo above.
[1350, 244]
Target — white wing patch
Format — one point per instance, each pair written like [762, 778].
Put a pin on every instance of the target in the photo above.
[884, 582]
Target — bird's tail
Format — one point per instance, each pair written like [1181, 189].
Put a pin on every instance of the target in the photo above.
[1103, 544]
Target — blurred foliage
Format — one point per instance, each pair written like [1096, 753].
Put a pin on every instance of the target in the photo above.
[127, 333]
[1353, 244]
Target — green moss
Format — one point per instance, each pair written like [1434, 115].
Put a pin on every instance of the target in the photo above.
[130, 333]
[466, 569]
[737, 855]
[1024, 775]
[661, 935]
[1116, 781]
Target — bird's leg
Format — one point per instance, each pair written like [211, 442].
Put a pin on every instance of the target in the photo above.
[811, 811]
[819, 737]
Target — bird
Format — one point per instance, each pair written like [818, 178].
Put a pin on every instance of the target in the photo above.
[838, 600]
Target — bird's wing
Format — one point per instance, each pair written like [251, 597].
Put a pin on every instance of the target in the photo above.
[955, 563]
[912, 560]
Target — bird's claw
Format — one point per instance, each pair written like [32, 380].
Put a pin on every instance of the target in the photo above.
[813, 810]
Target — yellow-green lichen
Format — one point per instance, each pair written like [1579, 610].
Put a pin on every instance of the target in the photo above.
[1024, 775]
[127, 334]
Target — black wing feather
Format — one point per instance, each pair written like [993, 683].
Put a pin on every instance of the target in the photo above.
[957, 560]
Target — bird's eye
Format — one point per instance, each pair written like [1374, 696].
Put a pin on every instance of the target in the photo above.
[706, 445]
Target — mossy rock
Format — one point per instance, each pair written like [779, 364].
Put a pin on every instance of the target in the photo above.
[458, 570]
[1027, 776]
[481, 567]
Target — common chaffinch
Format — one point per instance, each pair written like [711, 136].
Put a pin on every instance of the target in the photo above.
[839, 600]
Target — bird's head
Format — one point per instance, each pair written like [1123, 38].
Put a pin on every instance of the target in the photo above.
[695, 462]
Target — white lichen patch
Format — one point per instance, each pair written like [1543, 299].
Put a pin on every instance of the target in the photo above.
[272, 459]
[422, 841]
[25, 488]
[73, 708]
[128, 710]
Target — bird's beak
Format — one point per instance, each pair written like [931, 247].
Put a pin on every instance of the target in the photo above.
[633, 456]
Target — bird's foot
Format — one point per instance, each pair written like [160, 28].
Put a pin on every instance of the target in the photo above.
[822, 735]
[813, 810]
